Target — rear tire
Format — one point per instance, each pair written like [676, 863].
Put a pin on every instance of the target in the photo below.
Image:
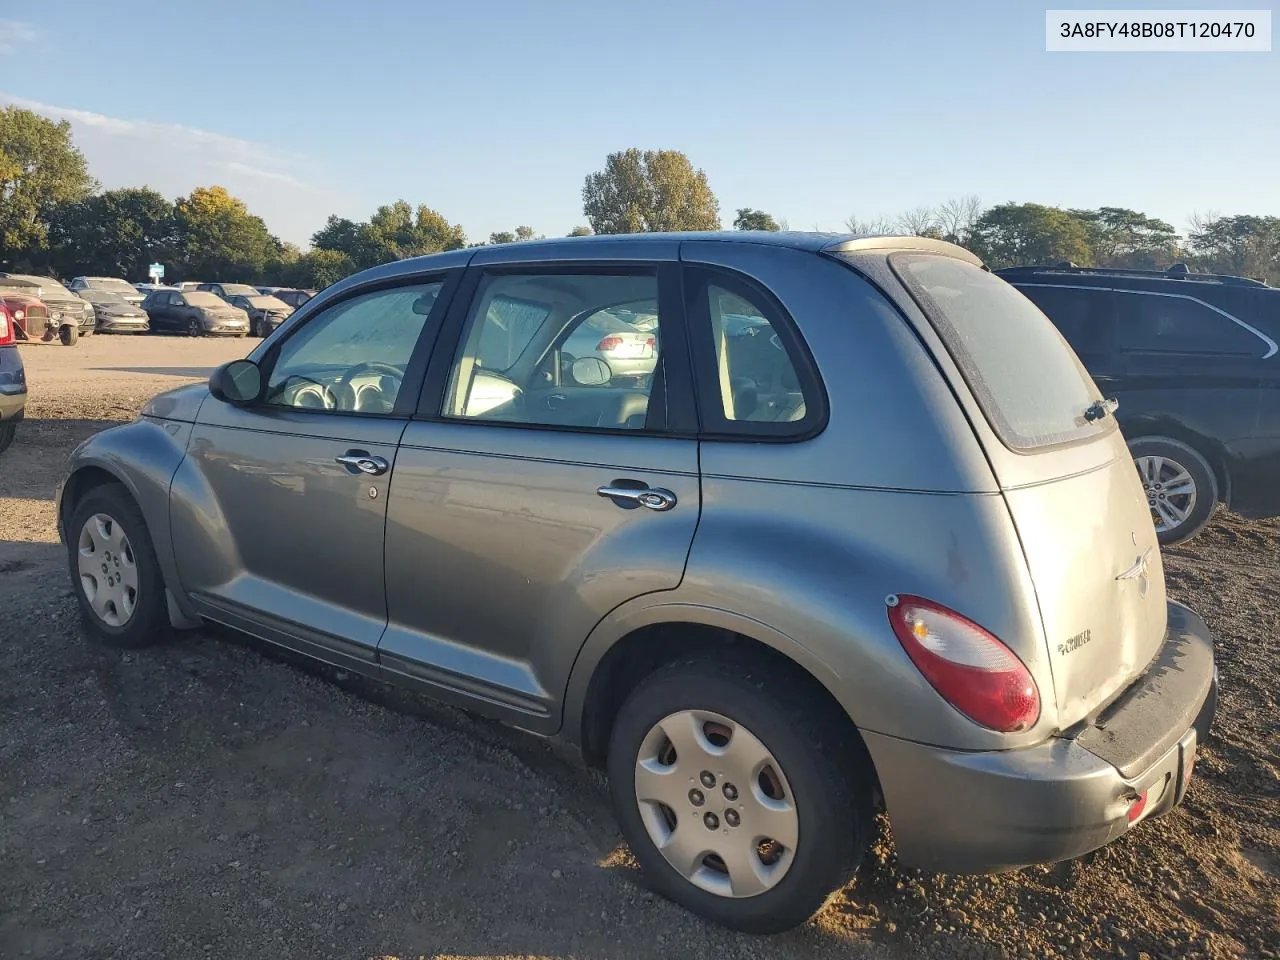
[1166, 465]
[68, 334]
[7, 432]
[818, 779]
[148, 620]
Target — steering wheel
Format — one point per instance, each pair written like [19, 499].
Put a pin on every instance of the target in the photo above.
[345, 394]
[304, 395]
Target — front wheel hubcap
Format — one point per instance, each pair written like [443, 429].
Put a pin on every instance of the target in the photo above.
[1170, 490]
[737, 842]
[108, 570]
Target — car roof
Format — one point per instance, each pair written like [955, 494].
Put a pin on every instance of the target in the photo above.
[1066, 275]
[624, 245]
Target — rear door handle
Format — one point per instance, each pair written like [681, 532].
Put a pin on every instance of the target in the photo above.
[361, 462]
[655, 498]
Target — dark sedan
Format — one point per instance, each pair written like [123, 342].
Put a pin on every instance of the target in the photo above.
[195, 313]
[115, 313]
[265, 312]
[294, 298]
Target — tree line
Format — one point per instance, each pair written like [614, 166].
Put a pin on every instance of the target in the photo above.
[55, 219]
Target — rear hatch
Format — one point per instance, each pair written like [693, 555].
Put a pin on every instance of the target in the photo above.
[1072, 491]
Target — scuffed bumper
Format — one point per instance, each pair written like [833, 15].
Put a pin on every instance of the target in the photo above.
[986, 812]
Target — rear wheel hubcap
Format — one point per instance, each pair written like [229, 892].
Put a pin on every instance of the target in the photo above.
[738, 841]
[1170, 490]
[108, 570]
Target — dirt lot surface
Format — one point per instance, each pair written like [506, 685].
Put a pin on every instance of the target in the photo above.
[209, 798]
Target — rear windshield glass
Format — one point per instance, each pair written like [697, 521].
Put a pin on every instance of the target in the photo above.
[1031, 387]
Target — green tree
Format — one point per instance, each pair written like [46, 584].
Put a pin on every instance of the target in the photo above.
[219, 239]
[580, 232]
[40, 168]
[397, 231]
[1012, 234]
[647, 190]
[748, 219]
[317, 269]
[118, 233]
[347, 237]
[503, 236]
[1243, 245]
[1119, 237]
[524, 233]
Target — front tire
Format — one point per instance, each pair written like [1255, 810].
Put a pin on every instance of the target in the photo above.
[68, 334]
[7, 432]
[114, 571]
[194, 329]
[741, 802]
[1180, 487]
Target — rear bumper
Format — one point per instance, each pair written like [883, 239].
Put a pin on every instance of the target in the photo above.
[987, 812]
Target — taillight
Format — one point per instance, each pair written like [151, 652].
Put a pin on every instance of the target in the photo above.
[967, 665]
[610, 342]
[6, 328]
[1137, 806]
[651, 343]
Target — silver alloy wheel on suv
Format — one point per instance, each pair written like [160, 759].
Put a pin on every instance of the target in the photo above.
[193, 328]
[1179, 484]
[716, 804]
[108, 570]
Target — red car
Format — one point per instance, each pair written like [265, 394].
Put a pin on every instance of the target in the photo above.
[13, 379]
[30, 314]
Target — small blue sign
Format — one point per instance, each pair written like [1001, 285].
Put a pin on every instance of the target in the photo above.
[156, 271]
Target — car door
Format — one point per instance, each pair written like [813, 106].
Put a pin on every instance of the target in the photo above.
[159, 309]
[1188, 361]
[284, 500]
[529, 502]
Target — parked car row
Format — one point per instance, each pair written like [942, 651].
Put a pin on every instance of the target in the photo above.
[41, 308]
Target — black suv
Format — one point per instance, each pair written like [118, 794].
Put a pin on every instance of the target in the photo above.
[1193, 360]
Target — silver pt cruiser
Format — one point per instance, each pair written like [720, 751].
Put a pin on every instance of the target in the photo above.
[880, 545]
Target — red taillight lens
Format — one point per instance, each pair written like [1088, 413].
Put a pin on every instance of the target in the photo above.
[6, 328]
[967, 665]
[651, 343]
[1136, 808]
[609, 343]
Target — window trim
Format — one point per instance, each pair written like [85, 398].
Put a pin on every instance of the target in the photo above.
[678, 418]
[419, 357]
[715, 426]
[1271, 345]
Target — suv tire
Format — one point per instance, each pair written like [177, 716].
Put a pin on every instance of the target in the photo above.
[1164, 464]
[139, 619]
[7, 433]
[68, 334]
[816, 779]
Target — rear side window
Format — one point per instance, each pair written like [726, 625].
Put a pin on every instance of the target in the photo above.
[1158, 323]
[1030, 385]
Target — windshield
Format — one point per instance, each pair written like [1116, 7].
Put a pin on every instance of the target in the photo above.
[203, 298]
[239, 290]
[110, 283]
[1029, 383]
[49, 287]
[104, 297]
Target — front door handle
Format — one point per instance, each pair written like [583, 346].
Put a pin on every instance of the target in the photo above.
[655, 498]
[358, 460]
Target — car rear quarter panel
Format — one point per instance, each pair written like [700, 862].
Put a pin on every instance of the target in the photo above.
[800, 544]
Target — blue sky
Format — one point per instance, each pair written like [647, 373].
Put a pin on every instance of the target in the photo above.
[494, 112]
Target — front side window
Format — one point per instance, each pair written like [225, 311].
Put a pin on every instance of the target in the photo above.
[352, 356]
[1031, 387]
[568, 350]
[1156, 323]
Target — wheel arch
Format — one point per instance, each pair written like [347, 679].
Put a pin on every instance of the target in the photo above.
[1213, 451]
[606, 672]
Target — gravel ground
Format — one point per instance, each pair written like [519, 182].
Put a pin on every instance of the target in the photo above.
[212, 798]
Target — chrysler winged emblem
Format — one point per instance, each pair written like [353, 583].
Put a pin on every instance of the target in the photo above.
[1138, 572]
